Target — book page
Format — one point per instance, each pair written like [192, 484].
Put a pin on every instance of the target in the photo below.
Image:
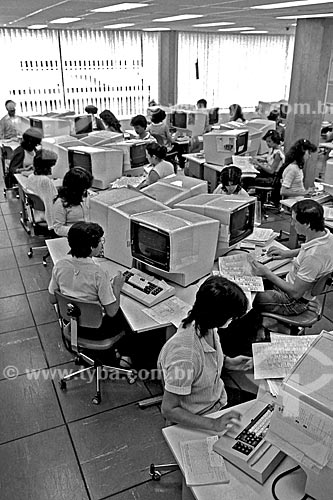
[172, 310]
[237, 268]
[202, 465]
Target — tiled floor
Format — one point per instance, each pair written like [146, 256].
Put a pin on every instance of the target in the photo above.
[56, 445]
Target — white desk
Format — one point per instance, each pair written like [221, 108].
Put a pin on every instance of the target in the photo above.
[137, 319]
[241, 486]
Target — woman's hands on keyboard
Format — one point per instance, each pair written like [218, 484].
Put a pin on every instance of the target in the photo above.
[117, 283]
[226, 422]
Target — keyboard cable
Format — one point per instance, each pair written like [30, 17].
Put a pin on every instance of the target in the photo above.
[280, 476]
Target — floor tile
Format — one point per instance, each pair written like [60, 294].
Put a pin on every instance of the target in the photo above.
[12, 221]
[11, 205]
[21, 254]
[55, 351]
[21, 237]
[7, 258]
[169, 487]
[36, 278]
[2, 223]
[76, 401]
[42, 310]
[4, 239]
[323, 324]
[115, 448]
[10, 283]
[31, 406]
[15, 314]
[41, 467]
[21, 350]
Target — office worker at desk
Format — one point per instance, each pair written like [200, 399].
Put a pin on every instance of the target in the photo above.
[160, 167]
[22, 159]
[140, 124]
[230, 182]
[236, 113]
[192, 360]
[313, 260]
[71, 204]
[272, 163]
[292, 174]
[78, 276]
[8, 123]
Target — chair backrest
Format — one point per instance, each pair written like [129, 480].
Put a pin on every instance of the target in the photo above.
[322, 285]
[90, 314]
[34, 201]
[159, 139]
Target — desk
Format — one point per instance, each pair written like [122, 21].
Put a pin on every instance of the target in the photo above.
[241, 486]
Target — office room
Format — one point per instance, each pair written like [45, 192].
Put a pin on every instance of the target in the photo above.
[63, 65]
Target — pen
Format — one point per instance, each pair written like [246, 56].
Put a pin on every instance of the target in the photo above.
[261, 453]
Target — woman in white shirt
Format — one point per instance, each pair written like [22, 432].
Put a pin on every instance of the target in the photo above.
[40, 184]
[230, 182]
[160, 167]
[292, 176]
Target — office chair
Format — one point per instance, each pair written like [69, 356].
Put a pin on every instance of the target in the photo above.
[6, 155]
[298, 323]
[34, 202]
[73, 314]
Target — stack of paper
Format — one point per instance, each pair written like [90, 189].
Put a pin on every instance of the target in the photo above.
[261, 236]
[202, 465]
[245, 164]
[237, 268]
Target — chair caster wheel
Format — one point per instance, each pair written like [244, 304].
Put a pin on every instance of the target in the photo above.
[77, 361]
[154, 474]
[96, 399]
[30, 253]
[44, 263]
[63, 385]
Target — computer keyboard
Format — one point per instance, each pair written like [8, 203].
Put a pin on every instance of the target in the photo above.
[247, 447]
[145, 288]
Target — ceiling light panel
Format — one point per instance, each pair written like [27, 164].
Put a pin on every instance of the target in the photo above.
[120, 7]
[305, 16]
[285, 5]
[181, 17]
[65, 20]
[119, 25]
[208, 25]
[243, 28]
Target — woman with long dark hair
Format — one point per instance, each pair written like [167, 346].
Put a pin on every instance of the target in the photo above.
[292, 175]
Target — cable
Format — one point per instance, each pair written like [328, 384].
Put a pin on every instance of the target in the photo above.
[280, 476]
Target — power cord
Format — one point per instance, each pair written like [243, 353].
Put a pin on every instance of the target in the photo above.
[280, 476]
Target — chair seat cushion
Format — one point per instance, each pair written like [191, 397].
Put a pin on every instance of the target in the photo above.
[307, 318]
[91, 344]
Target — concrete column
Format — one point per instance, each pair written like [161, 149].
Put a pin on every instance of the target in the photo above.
[168, 68]
[312, 53]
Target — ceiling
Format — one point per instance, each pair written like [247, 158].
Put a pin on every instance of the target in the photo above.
[22, 14]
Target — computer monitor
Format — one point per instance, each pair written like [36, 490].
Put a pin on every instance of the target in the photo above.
[175, 244]
[60, 146]
[101, 138]
[80, 124]
[134, 156]
[261, 126]
[191, 122]
[213, 116]
[235, 216]
[105, 164]
[302, 421]
[175, 188]
[50, 127]
[218, 146]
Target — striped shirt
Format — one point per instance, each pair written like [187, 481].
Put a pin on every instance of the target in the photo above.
[192, 369]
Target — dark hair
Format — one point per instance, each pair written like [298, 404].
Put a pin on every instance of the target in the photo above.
[274, 135]
[91, 109]
[139, 120]
[297, 151]
[158, 115]
[44, 160]
[8, 101]
[217, 301]
[203, 102]
[74, 186]
[309, 212]
[237, 112]
[31, 138]
[273, 115]
[110, 120]
[82, 237]
[154, 149]
[231, 174]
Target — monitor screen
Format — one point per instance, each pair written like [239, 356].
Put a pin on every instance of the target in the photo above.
[79, 159]
[213, 116]
[83, 124]
[150, 245]
[36, 123]
[138, 155]
[180, 119]
[241, 223]
[241, 143]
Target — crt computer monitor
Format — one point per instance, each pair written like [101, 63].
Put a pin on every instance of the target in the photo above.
[192, 122]
[101, 138]
[175, 244]
[302, 421]
[80, 124]
[175, 188]
[219, 145]
[234, 213]
[104, 164]
[50, 127]
[60, 145]
[134, 156]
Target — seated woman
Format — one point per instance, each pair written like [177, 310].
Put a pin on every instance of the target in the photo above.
[40, 184]
[71, 203]
[159, 128]
[78, 276]
[22, 159]
[236, 113]
[230, 182]
[140, 124]
[271, 164]
[292, 175]
[192, 360]
[161, 168]
[110, 121]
